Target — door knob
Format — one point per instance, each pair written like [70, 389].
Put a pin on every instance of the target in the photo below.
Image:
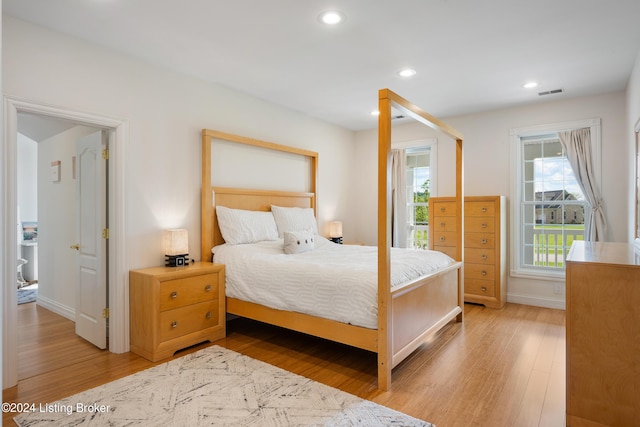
[76, 247]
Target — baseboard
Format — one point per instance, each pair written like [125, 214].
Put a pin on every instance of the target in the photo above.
[56, 307]
[546, 302]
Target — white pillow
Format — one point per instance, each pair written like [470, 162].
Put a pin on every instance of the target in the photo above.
[296, 242]
[294, 219]
[241, 226]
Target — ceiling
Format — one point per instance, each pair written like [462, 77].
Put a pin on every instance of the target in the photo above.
[469, 55]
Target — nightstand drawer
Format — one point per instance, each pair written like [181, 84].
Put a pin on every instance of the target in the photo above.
[189, 290]
[182, 321]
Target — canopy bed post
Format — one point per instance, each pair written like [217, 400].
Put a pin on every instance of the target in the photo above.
[386, 328]
[460, 222]
[385, 334]
[206, 219]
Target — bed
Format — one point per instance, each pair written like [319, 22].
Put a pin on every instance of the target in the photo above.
[407, 313]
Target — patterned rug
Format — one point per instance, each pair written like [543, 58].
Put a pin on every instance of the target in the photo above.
[27, 294]
[219, 387]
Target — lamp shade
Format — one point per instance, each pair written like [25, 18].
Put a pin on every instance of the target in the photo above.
[175, 241]
[335, 229]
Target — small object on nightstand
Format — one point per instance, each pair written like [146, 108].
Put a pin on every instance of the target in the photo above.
[335, 232]
[176, 247]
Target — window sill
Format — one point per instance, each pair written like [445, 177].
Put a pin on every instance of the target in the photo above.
[539, 275]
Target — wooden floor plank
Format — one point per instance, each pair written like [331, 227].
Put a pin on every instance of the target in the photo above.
[487, 371]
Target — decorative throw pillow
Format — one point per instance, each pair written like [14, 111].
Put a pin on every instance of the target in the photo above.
[294, 219]
[242, 226]
[296, 242]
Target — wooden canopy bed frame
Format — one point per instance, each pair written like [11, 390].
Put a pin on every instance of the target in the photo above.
[408, 314]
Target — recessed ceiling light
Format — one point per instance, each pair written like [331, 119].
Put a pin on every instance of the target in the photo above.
[375, 113]
[331, 17]
[530, 85]
[407, 72]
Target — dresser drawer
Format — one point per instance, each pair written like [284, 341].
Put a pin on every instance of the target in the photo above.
[479, 255]
[449, 250]
[479, 240]
[443, 209]
[479, 271]
[479, 224]
[480, 208]
[479, 287]
[445, 223]
[184, 320]
[190, 290]
[444, 238]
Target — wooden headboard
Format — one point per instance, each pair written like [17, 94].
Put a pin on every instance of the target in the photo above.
[243, 198]
[253, 200]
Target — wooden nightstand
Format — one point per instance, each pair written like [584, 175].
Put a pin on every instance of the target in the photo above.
[175, 307]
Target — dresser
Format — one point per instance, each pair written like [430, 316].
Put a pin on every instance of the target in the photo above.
[603, 334]
[485, 248]
[175, 307]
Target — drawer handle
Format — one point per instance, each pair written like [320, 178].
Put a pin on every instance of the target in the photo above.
[442, 210]
[208, 315]
[442, 239]
[484, 289]
[174, 324]
[442, 224]
[484, 225]
[484, 273]
[207, 288]
[174, 295]
[484, 256]
[484, 209]
[484, 241]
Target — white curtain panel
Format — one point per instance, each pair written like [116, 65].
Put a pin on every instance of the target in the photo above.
[577, 145]
[398, 198]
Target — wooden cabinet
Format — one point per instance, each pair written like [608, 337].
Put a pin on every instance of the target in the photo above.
[175, 307]
[603, 334]
[485, 248]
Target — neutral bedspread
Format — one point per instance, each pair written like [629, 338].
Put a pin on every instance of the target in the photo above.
[337, 282]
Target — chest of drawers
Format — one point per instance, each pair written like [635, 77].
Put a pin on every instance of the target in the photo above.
[175, 307]
[485, 266]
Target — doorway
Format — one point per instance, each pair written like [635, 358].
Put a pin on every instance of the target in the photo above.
[62, 199]
[117, 270]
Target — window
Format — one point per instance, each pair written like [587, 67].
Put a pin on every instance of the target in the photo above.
[420, 182]
[418, 191]
[548, 207]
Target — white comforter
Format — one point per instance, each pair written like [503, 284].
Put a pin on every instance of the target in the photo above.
[337, 282]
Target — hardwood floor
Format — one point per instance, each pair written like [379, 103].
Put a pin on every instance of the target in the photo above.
[497, 368]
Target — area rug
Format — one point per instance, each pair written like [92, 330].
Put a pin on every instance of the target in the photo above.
[27, 294]
[218, 387]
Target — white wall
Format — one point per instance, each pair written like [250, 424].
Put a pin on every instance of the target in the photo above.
[487, 166]
[633, 117]
[27, 178]
[166, 112]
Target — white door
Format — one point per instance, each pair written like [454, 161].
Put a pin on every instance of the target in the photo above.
[91, 297]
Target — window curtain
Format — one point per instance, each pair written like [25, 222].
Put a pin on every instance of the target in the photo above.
[398, 198]
[577, 145]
